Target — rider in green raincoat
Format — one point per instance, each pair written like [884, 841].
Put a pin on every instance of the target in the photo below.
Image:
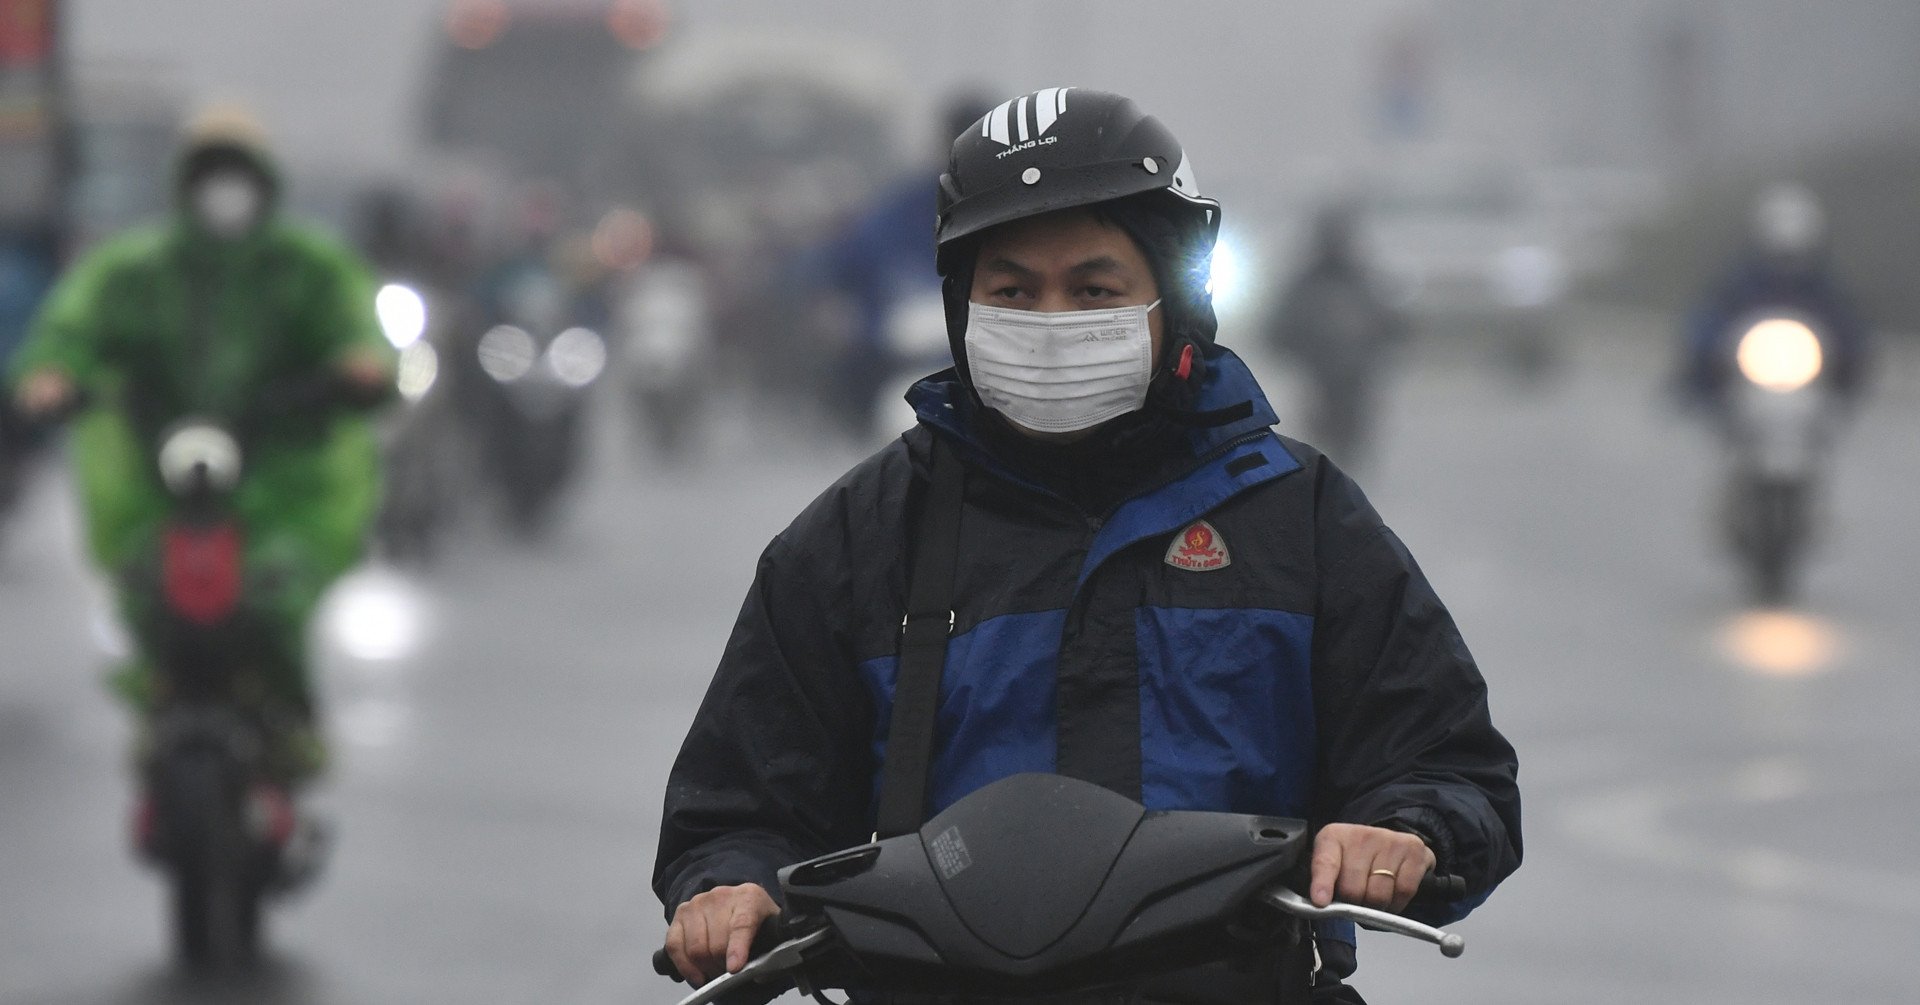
[204, 316]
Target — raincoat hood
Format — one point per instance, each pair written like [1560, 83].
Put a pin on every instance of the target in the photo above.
[219, 137]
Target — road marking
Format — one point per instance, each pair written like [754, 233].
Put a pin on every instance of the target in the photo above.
[1631, 822]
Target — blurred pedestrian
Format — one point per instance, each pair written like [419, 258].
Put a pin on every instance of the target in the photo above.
[27, 265]
[1152, 591]
[1334, 320]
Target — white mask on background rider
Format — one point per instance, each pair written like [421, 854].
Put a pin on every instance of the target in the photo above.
[228, 202]
[1064, 371]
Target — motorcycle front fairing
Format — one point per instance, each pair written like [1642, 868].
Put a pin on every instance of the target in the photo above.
[1781, 435]
[1041, 884]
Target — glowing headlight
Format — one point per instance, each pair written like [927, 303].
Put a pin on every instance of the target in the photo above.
[1779, 354]
[419, 367]
[403, 314]
[507, 353]
[1225, 281]
[577, 356]
[374, 614]
[197, 445]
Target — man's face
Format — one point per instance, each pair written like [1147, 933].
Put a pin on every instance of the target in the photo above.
[1065, 261]
[228, 202]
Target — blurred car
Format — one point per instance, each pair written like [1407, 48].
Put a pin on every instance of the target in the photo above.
[1475, 251]
[531, 84]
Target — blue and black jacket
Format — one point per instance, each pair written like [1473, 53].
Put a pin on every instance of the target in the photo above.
[1297, 663]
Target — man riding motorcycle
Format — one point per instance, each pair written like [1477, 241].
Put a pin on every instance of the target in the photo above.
[1775, 356]
[215, 314]
[1786, 267]
[1151, 591]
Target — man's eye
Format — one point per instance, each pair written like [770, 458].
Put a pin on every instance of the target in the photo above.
[1098, 293]
[1009, 292]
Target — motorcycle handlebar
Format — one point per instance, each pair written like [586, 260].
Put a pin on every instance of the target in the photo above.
[1441, 888]
[1435, 888]
[772, 933]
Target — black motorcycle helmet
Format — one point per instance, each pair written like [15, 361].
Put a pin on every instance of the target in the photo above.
[1066, 147]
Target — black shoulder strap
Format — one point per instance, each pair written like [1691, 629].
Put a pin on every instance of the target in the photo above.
[923, 647]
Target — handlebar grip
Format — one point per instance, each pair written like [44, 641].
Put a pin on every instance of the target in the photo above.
[1441, 888]
[772, 932]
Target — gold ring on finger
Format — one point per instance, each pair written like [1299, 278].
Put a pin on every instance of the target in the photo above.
[1389, 873]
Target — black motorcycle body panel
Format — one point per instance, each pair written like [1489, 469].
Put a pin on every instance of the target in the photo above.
[1040, 883]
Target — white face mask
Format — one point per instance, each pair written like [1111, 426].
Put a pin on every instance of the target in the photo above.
[1060, 372]
[228, 203]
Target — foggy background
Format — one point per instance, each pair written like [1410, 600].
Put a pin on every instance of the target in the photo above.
[1720, 794]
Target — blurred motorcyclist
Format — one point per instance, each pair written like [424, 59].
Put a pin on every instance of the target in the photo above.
[1335, 321]
[546, 296]
[1785, 267]
[207, 315]
[884, 266]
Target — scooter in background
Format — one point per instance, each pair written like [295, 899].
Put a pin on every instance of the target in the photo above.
[1779, 420]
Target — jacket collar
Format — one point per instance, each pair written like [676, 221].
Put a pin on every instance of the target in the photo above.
[1225, 460]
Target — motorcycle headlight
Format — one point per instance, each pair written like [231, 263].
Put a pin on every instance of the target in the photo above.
[195, 447]
[1226, 280]
[507, 353]
[577, 356]
[419, 368]
[1779, 354]
[402, 312]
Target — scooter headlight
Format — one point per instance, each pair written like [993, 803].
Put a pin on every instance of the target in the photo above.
[1779, 354]
[507, 353]
[403, 314]
[1225, 279]
[577, 356]
[419, 368]
[195, 450]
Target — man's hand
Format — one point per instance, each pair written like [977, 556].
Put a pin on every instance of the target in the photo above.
[1370, 866]
[44, 392]
[714, 931]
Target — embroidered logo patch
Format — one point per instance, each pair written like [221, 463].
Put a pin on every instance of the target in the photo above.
[1198, 549]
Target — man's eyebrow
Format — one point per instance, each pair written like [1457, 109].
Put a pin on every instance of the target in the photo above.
[1007, 265]
[1104, 263]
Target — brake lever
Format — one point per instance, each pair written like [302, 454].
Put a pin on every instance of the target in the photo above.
[781, 959]
[1288, 901]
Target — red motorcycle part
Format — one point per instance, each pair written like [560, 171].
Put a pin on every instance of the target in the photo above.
[146, 828]
[200, 572]
[272, 815]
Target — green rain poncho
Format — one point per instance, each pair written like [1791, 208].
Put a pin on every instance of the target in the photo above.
[196, 326]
